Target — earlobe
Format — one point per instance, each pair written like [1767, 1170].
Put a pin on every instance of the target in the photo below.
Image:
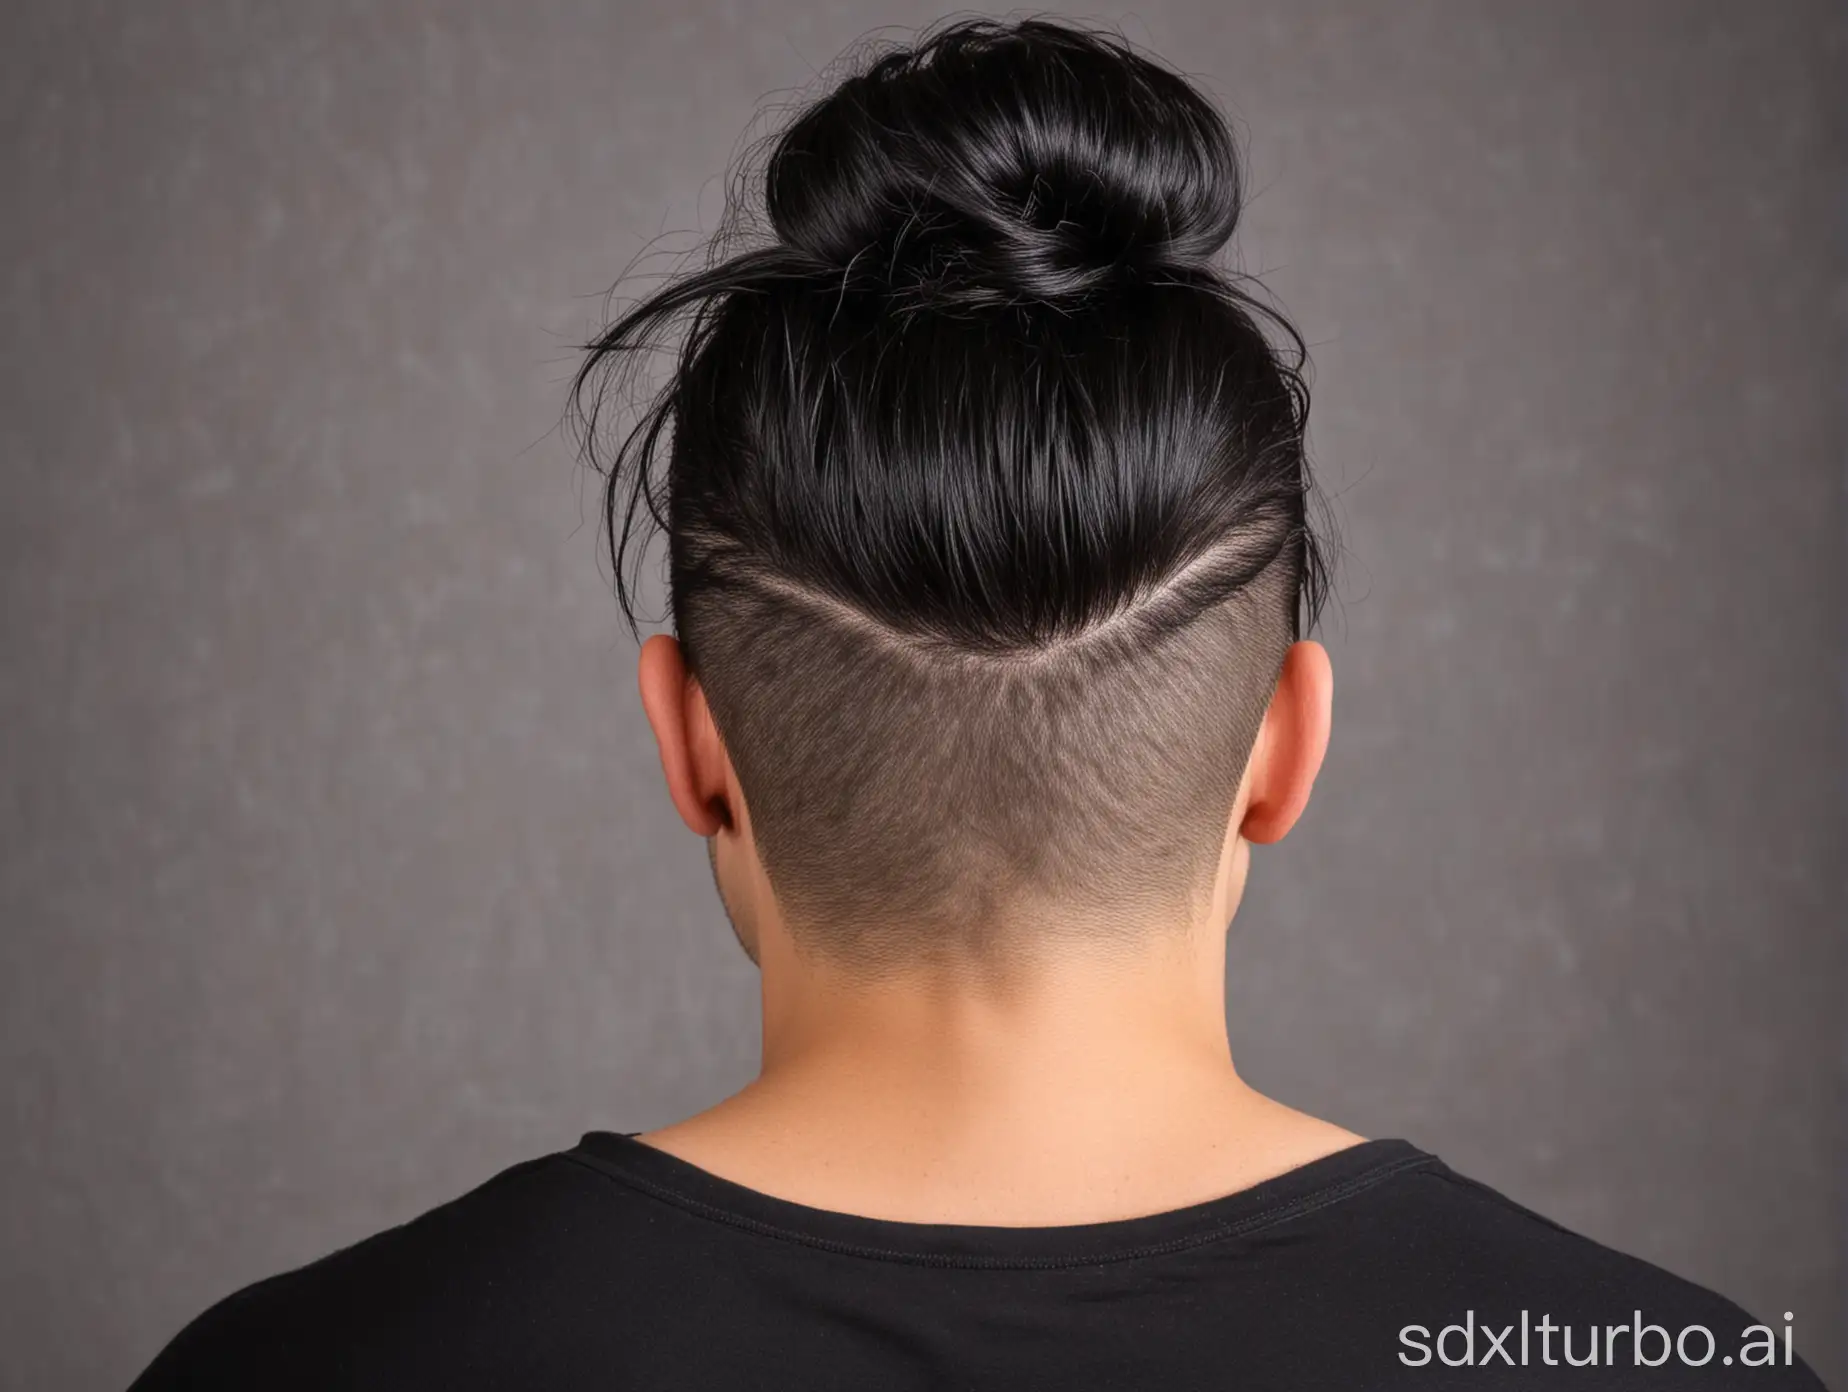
[1293, 743]
[670, 700]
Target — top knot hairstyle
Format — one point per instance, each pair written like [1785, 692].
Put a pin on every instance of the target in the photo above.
[984, 489]
[995, 165]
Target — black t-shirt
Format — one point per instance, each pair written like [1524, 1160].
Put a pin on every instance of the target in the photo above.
[614, 1266]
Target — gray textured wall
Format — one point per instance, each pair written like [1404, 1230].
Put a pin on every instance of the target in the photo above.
[335, 874]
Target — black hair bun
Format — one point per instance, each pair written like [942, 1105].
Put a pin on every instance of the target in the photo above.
[1006, 162]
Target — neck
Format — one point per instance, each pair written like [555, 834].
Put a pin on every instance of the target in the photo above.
[1081, 1037]
[1093, 1084]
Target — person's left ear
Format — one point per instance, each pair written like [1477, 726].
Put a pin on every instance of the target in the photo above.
[693, 758]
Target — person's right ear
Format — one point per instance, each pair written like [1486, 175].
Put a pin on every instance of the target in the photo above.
[1291, 744]
[693, 757]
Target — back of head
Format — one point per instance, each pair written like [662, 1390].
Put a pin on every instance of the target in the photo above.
[985, 494]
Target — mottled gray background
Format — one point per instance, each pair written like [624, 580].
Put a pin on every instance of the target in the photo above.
[335, 874]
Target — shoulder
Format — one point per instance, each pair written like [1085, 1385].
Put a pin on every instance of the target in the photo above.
[453, 1285]
[1452, 1251]
[1460, 1227]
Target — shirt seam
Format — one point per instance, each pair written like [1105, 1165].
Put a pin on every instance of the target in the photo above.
[1270, 1216]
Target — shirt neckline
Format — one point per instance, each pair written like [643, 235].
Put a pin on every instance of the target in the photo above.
[1319, 1184]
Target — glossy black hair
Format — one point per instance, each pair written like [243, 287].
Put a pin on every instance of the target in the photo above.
[984, 488]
